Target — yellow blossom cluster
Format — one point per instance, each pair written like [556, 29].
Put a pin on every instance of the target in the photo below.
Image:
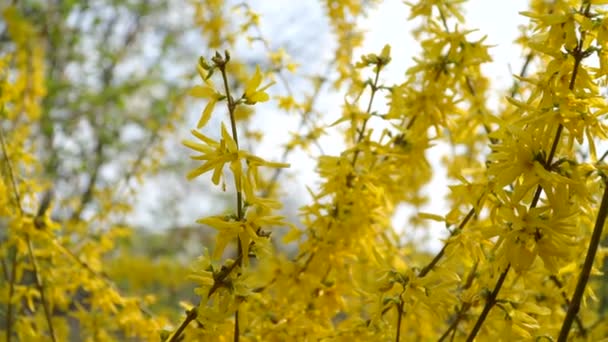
[524, 222]
[528, 197]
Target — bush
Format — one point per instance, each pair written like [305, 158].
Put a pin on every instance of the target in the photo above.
[528, 201]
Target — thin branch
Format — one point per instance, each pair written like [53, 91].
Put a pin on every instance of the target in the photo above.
[425, 270]
[87, 194]
[9, 168]
[577, 319]
[452, 328]
[490, 302]
[596, 236]
[219, 279]
[399, 317]
[465, 306]
[578, 55]
[522, 73]
[236, 326]
[231, 107]
[304, 117]
[17, 199]
[367, 111]
[190, 316]
[217, 283]
[40, 286]
[11, 292]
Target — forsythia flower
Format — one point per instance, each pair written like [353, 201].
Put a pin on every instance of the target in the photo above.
[253, 92]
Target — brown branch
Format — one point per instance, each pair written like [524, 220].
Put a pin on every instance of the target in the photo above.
[218, 281]
[578, 55]
[304, 117]
[399, 317]
[9, 168]
[577, 319]
[367, 111]
[87, 194]
[221, 276]
[17, 199]
[11, 292]
[425, 270]
[522, 73]
[490, 302]
[40, 286]
[596, 236]
[452, 328]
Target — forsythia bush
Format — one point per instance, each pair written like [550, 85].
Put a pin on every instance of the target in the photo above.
[528, 200]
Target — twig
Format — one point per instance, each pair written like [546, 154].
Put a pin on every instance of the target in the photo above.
[40, 286]
[399, 317]
[577, 319]
[425, 270]
[522, 73]
[11, 292]
[575, 303]
[237, 181]
[368, 111]
[489, 304]
[17, 199]
[452, 328]
[9, 168]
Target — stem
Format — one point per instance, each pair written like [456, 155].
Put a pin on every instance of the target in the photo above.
[439, 255]
[399, 317]
[236, 326]
[235, 137]
[522, 73]
[11, 291]
[577, 319]
[304, 118]
[190, 316]
[9, 168]
[489, 304]
[11, 288]
[192, 313]
[367, 111]
[575, 303]
[40, 286]
[465, 307]
[239, 195]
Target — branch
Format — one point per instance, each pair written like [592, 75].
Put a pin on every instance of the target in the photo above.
[399, 317]
[489, 304]
[577, 319]
[87, 195]
[192, 313]
[40, 287]
[575, 303]
[425, 270]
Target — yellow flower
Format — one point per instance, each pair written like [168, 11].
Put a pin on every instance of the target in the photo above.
[215, 154]
[206, 92]
[253, 93]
